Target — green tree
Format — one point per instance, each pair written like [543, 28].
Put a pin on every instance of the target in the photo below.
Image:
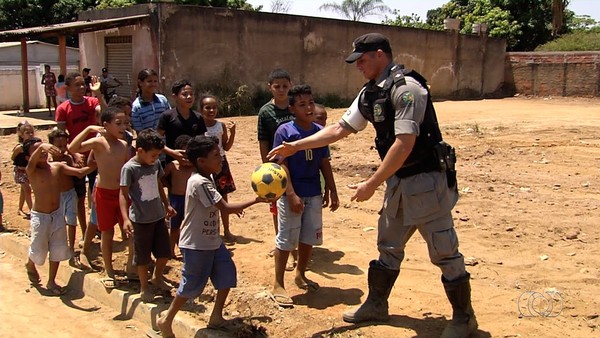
[412, 20]
[584, 23]
[525, 24]
[356, 10]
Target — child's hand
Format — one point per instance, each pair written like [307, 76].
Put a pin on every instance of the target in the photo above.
[95, 85]
[128, 228]
[230, 125]
[335, 201]
[264, 200]
[170, 211]
[97, 129]
[50, 149]
[296, 203]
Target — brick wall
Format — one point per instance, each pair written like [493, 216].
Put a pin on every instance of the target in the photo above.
[553, 73]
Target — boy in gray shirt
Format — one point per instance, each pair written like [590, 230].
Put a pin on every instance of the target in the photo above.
[145, 218]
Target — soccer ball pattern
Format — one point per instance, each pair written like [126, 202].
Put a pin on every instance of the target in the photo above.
[269, 180]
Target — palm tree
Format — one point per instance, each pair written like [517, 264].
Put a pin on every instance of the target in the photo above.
[356, 10]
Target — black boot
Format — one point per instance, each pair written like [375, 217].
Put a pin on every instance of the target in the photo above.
[463, 322]
[375, 308]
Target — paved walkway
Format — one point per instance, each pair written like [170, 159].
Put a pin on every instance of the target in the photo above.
[37, 117]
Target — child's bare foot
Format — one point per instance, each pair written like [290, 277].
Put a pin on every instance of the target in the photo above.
[55, 290]
[216, 322]
[161, 284]
[147, 295]
[33, 275]
[76, 263]
[228, 237]
[164, 327]
[86, 260]
[306, 284]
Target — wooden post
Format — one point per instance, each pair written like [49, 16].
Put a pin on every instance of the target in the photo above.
[62, 53]
[24, 75]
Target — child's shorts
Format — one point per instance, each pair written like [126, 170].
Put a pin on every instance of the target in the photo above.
[79, 186]
[93, 214]
[48, 234]
[178, 203]
[273, 208]
[150, 238]
[20, 175]
[199, 265]
[108, 211]
[224, 179]
[68, 202]
[1, 204]
[305, 227]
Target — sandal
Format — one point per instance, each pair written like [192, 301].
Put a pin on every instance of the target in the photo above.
[109, 283]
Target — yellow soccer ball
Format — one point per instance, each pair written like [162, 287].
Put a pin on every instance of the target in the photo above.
[269, 180]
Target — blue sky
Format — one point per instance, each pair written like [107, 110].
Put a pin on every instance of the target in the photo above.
[406, 7]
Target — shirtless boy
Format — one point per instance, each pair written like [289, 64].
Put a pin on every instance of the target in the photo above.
[111, 153]
[48, 232]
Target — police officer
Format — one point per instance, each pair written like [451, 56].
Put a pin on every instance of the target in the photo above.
[418, 169]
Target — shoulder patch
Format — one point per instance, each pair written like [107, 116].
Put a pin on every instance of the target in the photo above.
[408, 98]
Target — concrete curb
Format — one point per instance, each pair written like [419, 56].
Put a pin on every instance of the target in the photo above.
[128, 304]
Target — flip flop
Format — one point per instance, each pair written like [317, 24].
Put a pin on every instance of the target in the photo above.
[282, 300]
[34, 276]
[226, 326]
[109, 283]
[310, 286]
[290, 266]
[56, 291]
[157, 334]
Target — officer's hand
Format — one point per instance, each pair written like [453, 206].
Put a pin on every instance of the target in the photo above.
[364, 191]
[282, 151]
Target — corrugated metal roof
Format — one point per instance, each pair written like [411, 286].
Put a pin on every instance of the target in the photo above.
[69, 27]
[30, 42]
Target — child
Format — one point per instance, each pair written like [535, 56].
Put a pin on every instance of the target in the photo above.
[181, 120]
[300, 209]
[47, 220]
[204, 254]
[74, 115]
[145, 218]
[61, 90]
[49, 82]
[270, 116]
[19, 158]
[111, 153]
[123, 104]
[320, 115]
[225, 133]
[68, 196]
[148, 105]
[175, 179]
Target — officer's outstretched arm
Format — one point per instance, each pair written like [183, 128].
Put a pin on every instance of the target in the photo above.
[324, 137]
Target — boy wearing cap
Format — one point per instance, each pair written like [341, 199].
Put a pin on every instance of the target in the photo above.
[420, 192]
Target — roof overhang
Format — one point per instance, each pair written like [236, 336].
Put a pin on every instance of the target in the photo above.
[70, 28]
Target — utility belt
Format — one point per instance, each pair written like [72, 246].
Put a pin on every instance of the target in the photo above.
[442, 157]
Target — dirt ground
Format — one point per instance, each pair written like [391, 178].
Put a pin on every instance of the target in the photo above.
[527, 222]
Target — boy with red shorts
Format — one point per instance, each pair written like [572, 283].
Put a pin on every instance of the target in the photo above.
[111, 153]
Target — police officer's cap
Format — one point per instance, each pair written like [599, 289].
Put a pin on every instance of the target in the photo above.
[104, 70]
[368, 43]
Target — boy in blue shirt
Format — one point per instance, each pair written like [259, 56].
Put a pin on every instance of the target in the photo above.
[299, 211]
